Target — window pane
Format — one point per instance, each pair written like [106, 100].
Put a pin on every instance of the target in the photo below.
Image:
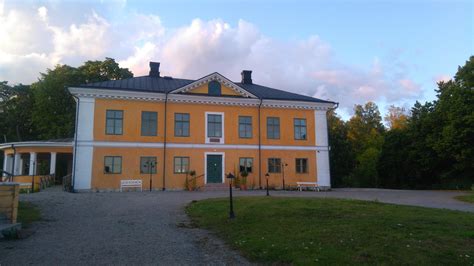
[117, 165]
[177, 165]
[149, 123]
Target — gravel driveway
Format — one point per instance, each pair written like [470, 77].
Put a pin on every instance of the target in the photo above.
[152, 228]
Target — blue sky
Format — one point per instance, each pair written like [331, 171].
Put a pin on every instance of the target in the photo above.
[390, 52]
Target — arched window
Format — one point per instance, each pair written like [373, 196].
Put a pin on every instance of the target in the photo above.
[214, 88]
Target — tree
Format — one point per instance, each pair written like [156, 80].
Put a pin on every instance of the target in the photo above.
[54, 107]
[341, 155]
[16, 103]
[396, 118]
[365, 133]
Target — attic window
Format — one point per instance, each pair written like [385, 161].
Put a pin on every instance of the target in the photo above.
[214, 88]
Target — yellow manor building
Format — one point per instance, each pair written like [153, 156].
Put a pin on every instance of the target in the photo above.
[159, 129]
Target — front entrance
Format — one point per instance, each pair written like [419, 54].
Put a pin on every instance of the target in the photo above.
[214, 169]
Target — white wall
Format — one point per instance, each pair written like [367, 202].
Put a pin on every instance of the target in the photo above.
[82, 174]
[322, 154]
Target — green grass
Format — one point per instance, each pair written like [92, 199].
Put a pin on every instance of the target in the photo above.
[334, 231]
[467, 198]
[27, 213]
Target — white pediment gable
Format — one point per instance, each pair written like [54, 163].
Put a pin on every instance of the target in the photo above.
[219, 78]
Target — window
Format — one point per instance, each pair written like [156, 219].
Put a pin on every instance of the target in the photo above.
[149, 123]
[300, 128]
[301, 165]
[181, 125]
[273, 127]
[274, 165]
[114, 122]
[147, 164]
[181, 165]
[214, 126]
[112, 164]
[214, 88]
[245, 126]
[246, 165]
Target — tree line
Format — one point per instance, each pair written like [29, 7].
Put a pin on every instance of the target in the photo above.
[429, 146]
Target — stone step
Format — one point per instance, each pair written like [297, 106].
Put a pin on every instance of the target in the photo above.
[216, 187]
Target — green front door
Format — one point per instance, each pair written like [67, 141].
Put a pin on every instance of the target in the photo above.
[214, 168]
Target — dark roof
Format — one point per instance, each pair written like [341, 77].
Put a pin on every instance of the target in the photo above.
[274, 94]
[145, 83]
[167, 84]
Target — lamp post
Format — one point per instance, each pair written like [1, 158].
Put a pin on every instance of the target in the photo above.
[283, 165]
[267, 175]
[150, 165]
[230, 176]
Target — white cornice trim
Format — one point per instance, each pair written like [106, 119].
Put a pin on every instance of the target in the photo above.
[296, 104]
[199, 99]
[218, 77]
[194, 99]
[117, 94]
[35, 144]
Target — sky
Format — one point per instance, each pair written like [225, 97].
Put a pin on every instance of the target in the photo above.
[390, 52]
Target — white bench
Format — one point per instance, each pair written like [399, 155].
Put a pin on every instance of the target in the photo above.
[302, 185]
[137, 183]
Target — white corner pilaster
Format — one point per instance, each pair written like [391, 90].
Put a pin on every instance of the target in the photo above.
[322, 155]
[33, 163]
[17, 166]
[5, 162]
[52, 163]
[83, 152]
[9, 164]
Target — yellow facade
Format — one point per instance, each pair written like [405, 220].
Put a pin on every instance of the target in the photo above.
[132, 133]
[229, 103]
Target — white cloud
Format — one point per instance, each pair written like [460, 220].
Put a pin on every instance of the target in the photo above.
[36, 38]
[442, 77]
[43, 13]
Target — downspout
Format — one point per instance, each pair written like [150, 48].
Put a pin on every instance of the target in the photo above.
[164, 143]
[259, 147]
[73, 176]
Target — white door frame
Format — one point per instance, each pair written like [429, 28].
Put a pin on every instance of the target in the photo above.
[205, 165]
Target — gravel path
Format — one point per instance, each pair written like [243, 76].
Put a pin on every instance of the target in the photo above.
[115, 228]
[152, 228]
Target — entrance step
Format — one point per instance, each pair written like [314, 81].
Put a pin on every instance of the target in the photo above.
[216, 187]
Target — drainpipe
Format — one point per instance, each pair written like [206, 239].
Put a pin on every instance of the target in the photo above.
[73, 176]
[164, 143]
[259, 147]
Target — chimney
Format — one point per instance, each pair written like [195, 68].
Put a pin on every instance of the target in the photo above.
[247, 76]
[154, 69]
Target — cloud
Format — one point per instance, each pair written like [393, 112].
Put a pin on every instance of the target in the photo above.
[34, 39]
[441, 77]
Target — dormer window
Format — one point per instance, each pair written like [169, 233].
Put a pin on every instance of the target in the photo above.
[214, 88]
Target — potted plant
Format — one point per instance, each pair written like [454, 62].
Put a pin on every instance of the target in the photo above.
[243, 180]
[191, 184]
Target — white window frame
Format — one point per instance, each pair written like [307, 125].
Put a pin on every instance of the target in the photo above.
[221, 139]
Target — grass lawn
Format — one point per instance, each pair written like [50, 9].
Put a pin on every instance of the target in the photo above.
[467, 198]
[27, 213]
[334, 231]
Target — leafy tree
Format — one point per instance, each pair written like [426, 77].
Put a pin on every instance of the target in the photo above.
[341, 154]
[54, 107]
[16, 103]
[365, 133]
[396, 118]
